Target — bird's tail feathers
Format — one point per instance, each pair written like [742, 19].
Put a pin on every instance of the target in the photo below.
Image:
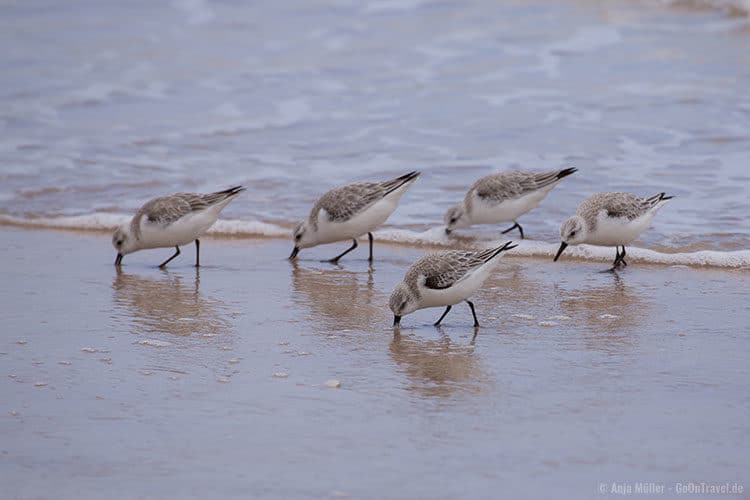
[491, 253]
[223, 195]
[566, 172]
[396, 183]
[658, 200]
[547, 178]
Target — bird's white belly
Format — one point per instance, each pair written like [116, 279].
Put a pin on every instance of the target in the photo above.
[507, 211]
[364, 222]
[180, 232]
[618, 231]
[459, 292]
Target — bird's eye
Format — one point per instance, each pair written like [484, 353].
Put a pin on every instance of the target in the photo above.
[119, 242]
[403, 305]
[453, 219]
[297, 237]
[572, 233]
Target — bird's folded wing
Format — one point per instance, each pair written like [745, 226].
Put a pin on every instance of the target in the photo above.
[442, 271]
[626, 206]
[505, 186]
[342, 203]
[167, 209]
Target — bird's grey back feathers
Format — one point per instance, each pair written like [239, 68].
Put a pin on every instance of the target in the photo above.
[617, 205]
[165, 210]
[443, 269]
[344, 202]
[503, 186]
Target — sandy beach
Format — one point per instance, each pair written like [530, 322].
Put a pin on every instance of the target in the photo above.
[214, 382]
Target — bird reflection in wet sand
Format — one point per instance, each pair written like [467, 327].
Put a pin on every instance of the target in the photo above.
[438, 367]
[339, 298]
[170, 304]
[612, 312]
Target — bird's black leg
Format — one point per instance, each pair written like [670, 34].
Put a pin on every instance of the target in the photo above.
[620, 260]
[473, 313]
[437, 323]
[164, 264]
[197, 253]
[369, 235]
[514, 226]
[335, 260]
[616, 263]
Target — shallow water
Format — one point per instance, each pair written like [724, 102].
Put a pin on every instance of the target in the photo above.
[104, 105]
[192, 384]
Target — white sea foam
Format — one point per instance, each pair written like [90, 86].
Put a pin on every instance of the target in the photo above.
[520, 95]
[382, 6]
[292, 111]
[288, 113]
[155, 343]
[587, 39]
[250, 228]
[109, 222]
[196, 11]
[608, 316]
[91, 222]
[434, 237]
[229, 110]
[560, 317]
[98, 93]
[530, 248]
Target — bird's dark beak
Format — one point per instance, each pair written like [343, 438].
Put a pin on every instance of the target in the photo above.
[563, 246]
[118, 260]
[294, 253]
[396, 321]
[447, 231]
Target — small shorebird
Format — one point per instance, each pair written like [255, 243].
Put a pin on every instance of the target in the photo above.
[443, 279]
[610, 219]
[348, 212]
[503, 197]
[172, 220]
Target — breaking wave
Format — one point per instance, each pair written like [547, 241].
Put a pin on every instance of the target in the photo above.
[434, 237]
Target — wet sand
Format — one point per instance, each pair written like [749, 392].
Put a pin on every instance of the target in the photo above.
[207, 383]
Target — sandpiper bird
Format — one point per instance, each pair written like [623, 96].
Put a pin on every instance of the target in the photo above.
[503, 197]
[443, 279]
[350, 211]
[610, 219]
[172, 220]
